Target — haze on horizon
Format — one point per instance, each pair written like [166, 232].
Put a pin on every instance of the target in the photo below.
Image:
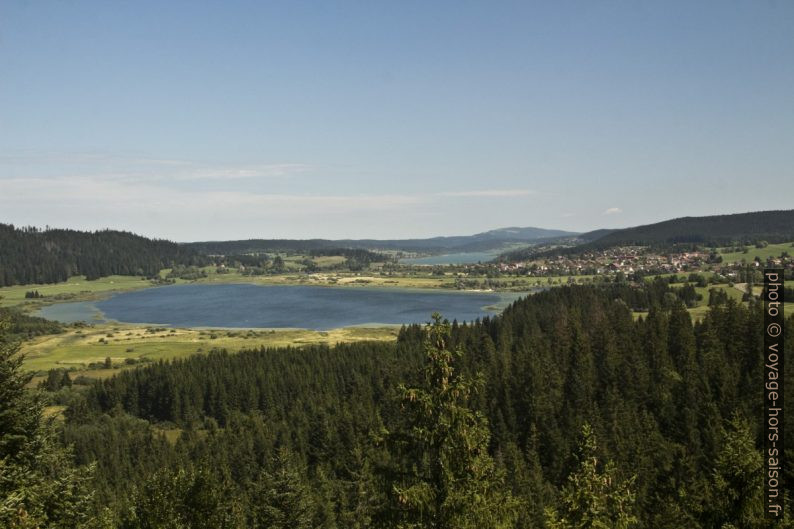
[210, 121]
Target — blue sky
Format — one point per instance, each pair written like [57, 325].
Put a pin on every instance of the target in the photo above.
[224, 120]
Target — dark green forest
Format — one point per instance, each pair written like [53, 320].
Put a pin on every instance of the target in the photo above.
[29, 255]
[254, 246]
[565, 411]
[681, 233]
[715, 230]
[23, 326]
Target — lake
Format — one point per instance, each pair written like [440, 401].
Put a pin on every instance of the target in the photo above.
[308, 307]
[453, 258]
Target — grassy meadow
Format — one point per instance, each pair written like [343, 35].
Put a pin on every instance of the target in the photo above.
[735, 292]
[699, 311]
[772, 250]
[128, 345]
[77, 288]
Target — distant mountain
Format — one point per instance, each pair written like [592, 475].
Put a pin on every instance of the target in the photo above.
[716, 230]
[479, 242]
[523, 234]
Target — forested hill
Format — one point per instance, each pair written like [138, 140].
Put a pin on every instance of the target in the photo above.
[673, 406]
[717, 230]
[477, 242]
[29, 255]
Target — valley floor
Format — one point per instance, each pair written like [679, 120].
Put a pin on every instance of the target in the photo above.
[85, 350]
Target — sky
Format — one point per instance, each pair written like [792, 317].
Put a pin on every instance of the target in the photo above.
[371, 119]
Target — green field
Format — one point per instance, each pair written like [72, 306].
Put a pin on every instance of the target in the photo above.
[705, 273]
[773, 250]
[325, 261]
[735, 292]
[79, 347]
[369, 278]
[76, 288]
[702, 307]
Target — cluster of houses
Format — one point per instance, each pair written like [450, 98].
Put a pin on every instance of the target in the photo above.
[626, 259]
[632, 259]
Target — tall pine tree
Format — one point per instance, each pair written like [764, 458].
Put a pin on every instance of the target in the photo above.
[443, 476]
[39, 486]
[593, 497]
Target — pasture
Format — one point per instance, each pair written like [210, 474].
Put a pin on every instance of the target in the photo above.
[77, 288]
[129, 345]
[772, 250]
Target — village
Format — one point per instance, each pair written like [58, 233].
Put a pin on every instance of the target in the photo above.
[641, 260]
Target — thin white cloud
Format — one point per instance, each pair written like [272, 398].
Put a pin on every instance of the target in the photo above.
[613, 211]
[137, 169]
[101, 194]
[489, 193]
[240, 172]
[155, 196]
[197, 214]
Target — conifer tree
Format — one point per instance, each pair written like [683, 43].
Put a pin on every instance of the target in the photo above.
[593, 497]
[444, 476]
[183, 499]
[39, 486]
[281, 498]
[736, 499]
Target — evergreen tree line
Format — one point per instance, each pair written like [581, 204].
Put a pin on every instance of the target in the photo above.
[260, 246]
[359, 254]
[39, 484]
[715, 230]
[21, 325]
[680, 235]
[29, 255]
[567, 410]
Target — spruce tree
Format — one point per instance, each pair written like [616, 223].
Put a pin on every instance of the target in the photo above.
[736, 493]
[39, 485]
[443, 476]
[281, 498]
[184, 499]
[593, 497]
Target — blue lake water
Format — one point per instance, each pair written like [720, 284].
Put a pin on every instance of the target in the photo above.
[73, 312]
[453, 258]
[246, 305]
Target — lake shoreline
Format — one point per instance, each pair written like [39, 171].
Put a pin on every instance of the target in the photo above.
[257, 306]
[78, 289]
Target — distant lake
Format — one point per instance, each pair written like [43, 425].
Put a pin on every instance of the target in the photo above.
[310, 307]
[453, 258]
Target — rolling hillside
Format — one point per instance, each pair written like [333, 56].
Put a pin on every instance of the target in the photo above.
[29, 255]
[717, 230]
[478, 242]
